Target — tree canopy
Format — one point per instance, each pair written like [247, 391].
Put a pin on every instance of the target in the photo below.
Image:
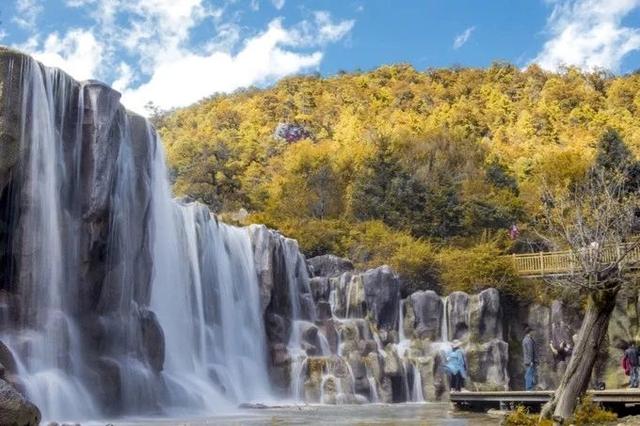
[435, 162]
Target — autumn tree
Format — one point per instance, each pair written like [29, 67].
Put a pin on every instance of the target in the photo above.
[594, 219]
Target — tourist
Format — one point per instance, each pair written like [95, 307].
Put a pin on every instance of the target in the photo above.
[561, 355]
[631, 356]
[530, 359]
[456, 366]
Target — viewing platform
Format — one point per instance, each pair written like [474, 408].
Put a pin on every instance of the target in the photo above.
[558, 263]
[614, 399]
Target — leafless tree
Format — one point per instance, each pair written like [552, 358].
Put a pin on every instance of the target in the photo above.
[595, 221]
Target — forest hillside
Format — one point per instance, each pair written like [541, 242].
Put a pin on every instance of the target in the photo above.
[425, 171]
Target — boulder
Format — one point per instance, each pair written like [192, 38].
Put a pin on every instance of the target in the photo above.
[15, 409]
[109, 384]
[323, 311]
[329, 390]
[488, 365]
[320, 289]
[428, 310]
[485, 315]
[7, 361]
[153, 341]
[457, 306]
[277, 328]
[329, 265]
[382, 296]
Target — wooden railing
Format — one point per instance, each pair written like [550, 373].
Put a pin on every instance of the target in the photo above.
[566, 262]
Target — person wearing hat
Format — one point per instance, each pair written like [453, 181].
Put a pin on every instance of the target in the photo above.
[530, 356]
[456, 366]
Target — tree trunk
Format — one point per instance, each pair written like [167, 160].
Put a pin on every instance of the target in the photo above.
[590, 338]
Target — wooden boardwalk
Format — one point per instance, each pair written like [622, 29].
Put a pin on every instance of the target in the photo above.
[534, 265]
[615, 399]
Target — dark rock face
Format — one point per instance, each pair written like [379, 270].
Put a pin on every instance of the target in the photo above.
[486, 316]
[15, 409]
[320, 288]
[382, 296]
[152, 339]
[11, 65]
[329, 265]
[488, 365]
[428, 310]
[458, 315]
[102, 155]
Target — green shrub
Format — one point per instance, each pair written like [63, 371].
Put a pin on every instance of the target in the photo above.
[521, 417]
[591, 413]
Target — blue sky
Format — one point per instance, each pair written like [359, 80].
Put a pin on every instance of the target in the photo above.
[174, 52]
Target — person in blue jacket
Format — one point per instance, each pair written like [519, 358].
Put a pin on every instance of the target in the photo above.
[456, 366]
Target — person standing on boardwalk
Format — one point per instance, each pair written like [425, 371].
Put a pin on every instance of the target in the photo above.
[631, 354]
[530, 359]
[456, 366]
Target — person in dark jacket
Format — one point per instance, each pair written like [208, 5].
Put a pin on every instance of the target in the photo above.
[530, 358]
[631, 354]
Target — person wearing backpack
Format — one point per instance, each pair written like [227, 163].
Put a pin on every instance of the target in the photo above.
[631, 365]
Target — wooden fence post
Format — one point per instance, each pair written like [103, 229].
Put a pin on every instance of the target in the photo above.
[541, 264]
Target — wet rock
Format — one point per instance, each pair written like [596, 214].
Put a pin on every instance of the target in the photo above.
[15, 409]
[10, 111]
[392, 363]
[7, 361]
[264, 244]
[458, 315]
[102, 103]
[320, 289]
[152, 339]
[309, 333]
[382, 296]
[409, 320]
[329, 390]
[486, 316]
[329, 265]
[109, 384]
[277, 328]
[488, 365]
[331, 334]
[386, 390]
[428, 308]
[323, 311]
[280, 368]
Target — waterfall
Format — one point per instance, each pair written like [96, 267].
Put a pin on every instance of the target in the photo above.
[129, 303]
[403, 343]
[417, 395]
[373, 387]
[46, 341]
[444, 322]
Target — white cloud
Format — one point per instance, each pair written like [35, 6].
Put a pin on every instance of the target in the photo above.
[125, 77]
[191, 76]
[278, 4]
[27, 13]
[144, 48]
[589, 34]
[77, 52]
[462, 38]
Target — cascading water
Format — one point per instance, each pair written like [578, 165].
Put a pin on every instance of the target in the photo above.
[46, 342]
[128, 303]
[417, 394]
[444, 322]
[214, 335]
